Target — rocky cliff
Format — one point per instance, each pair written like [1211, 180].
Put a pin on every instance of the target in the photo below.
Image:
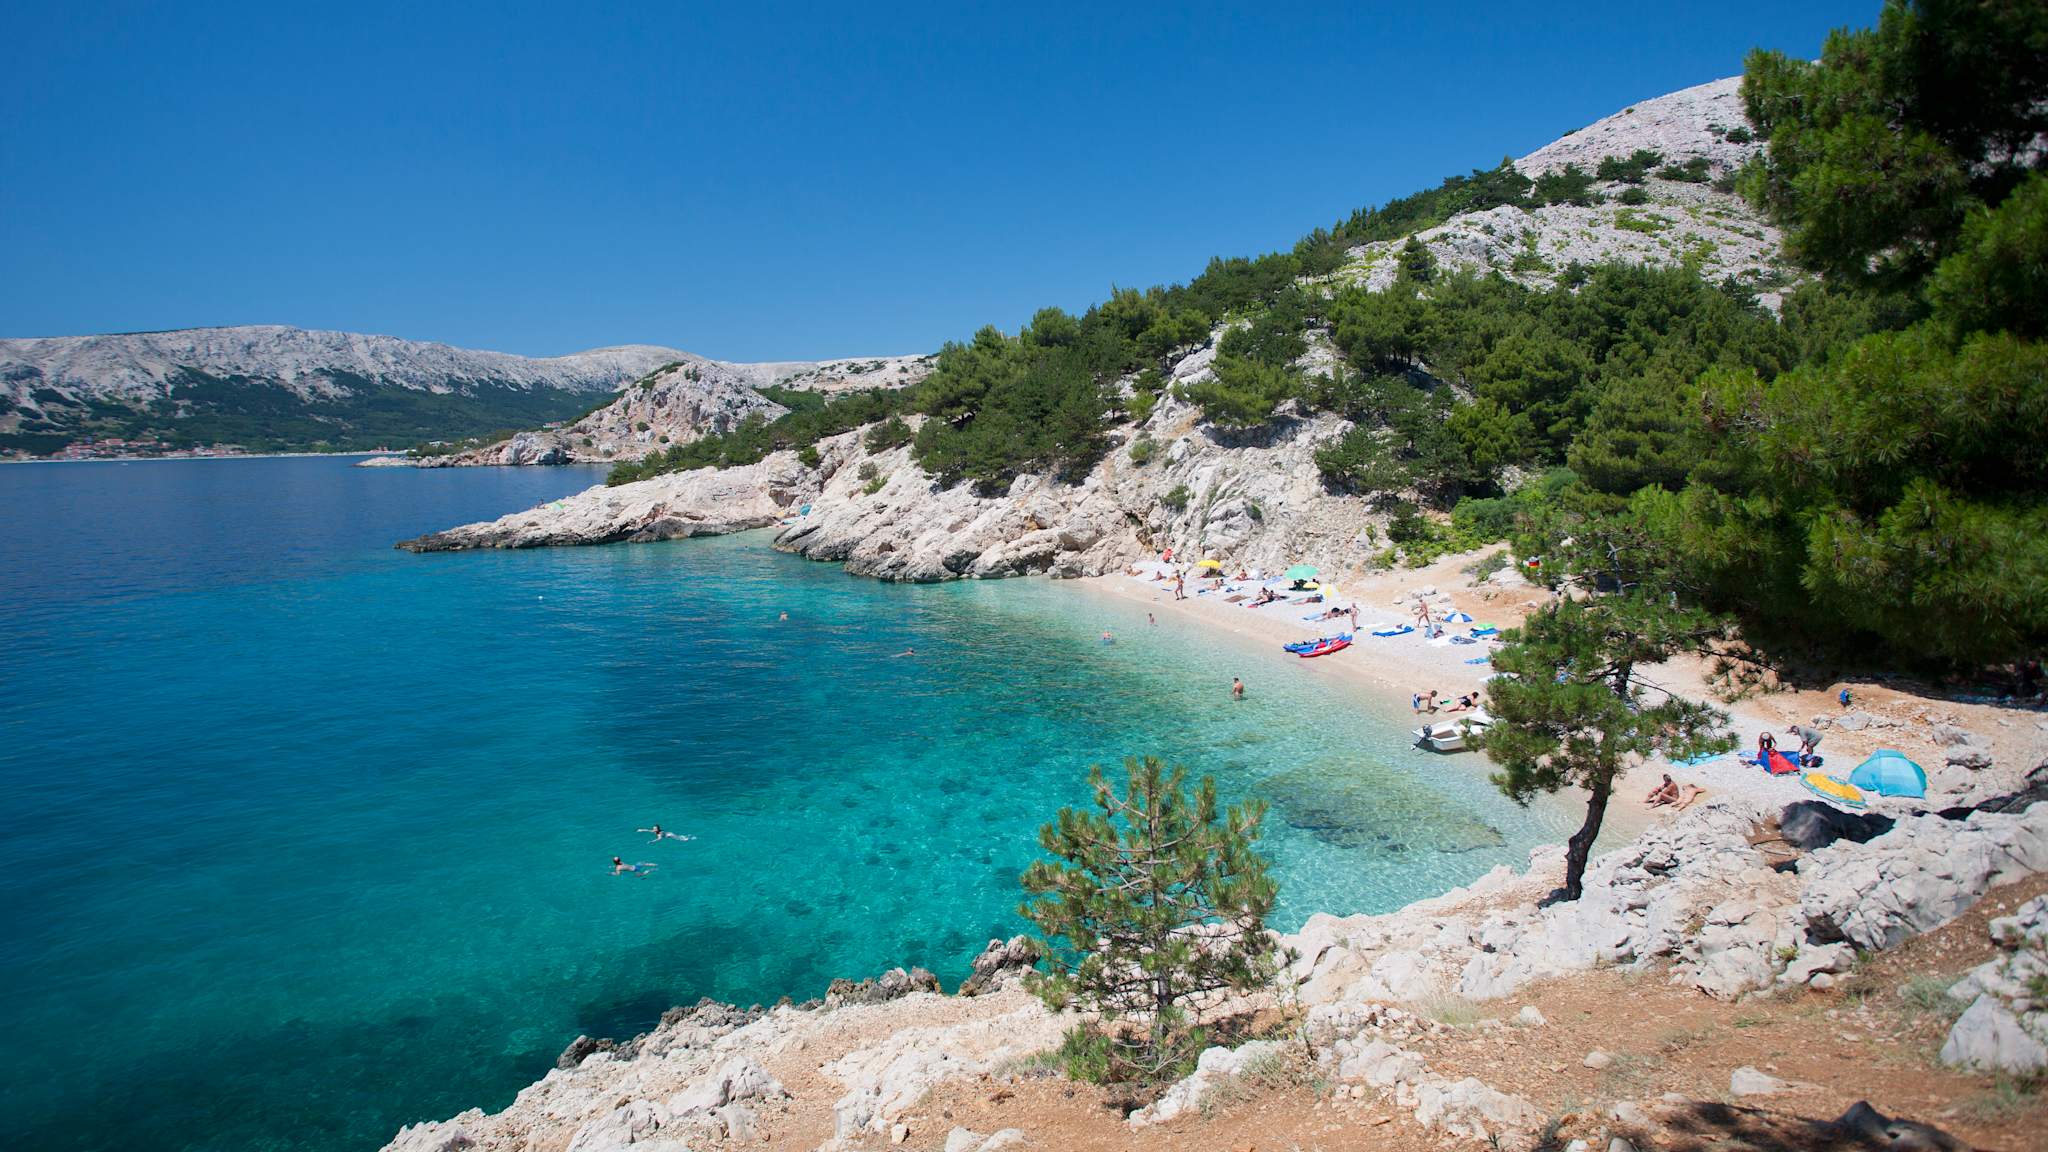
[1254, 499]
[1259, 501]
[685, 400]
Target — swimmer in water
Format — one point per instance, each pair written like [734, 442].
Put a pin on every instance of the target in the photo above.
[620, 867]
[1107, 638]
[784, 616]
[660, 834]
[907, 652]
[1236, 688]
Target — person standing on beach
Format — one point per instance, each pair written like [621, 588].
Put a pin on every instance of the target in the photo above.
[1236, 688]
[1149, 619]
[1808, 741]
[1180, 586]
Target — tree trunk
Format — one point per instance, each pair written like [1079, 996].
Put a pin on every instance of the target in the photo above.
[1162, 1001]
[1580, 847]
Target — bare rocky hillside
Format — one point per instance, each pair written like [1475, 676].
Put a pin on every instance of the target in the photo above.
[1680, 222]
[682, 401]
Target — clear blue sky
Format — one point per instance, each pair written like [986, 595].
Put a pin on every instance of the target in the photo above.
[756, 180]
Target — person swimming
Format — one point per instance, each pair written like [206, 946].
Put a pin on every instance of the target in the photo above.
[1107, 637]
[661, 834]
[1236, 688]
[620, 867]
[906, 652]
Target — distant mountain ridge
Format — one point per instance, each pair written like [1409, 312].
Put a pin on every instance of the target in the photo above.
[271, 386]
[144, 365]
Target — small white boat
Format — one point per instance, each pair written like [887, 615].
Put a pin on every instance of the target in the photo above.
[1448, 735]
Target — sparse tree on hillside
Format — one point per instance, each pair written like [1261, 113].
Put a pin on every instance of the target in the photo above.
[1155, 901]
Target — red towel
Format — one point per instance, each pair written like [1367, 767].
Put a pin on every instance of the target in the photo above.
[1781, 764]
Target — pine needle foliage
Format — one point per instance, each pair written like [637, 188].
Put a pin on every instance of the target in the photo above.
[1155, 903]
[1571, 711]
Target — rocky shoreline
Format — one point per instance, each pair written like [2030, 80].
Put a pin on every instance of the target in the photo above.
[1701, 903]
[1258, 500]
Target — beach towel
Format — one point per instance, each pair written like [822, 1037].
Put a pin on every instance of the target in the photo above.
[1487, 630]
[1402, 630]
[1696, 761]
[1780, 764]
[1480, 660]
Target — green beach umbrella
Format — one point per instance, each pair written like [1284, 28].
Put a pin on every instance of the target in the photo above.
[1300, 572]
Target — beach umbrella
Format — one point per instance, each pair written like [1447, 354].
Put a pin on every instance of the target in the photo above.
[1458, 618]
[1210, 564]
[1300, 572]
[1889, 773]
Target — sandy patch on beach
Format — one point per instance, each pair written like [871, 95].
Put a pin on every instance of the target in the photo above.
[1902, 714]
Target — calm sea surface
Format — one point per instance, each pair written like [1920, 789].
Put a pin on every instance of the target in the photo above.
[302, 838]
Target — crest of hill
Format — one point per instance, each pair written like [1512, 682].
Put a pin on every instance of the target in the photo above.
[1687, 123]
[1681, 211]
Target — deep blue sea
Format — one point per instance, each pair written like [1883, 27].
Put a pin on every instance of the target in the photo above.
[302, 838]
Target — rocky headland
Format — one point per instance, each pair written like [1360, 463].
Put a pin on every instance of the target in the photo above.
[1170, 480]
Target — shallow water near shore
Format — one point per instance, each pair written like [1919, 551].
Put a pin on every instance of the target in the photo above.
[303, 838]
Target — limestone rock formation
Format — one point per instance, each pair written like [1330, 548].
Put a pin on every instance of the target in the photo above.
[706, 502]
[2006, 1025]
[1918, 876]
[1001, 961]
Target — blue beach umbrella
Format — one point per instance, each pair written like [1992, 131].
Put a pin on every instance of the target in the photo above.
[1889, 773]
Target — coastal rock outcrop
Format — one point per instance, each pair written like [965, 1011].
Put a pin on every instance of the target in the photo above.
[890, 985]
[883, 1080]
[1001, 961]
[704, 502]
[1917, 877]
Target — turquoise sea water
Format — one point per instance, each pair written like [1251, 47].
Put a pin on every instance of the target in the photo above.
[302, 838]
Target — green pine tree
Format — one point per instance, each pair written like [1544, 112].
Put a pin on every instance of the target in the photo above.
[1155, 902]
[1572, 711]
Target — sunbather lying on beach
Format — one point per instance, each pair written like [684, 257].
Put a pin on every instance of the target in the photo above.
[1686, 795]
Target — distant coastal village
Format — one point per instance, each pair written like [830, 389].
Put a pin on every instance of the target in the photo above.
[150, 448]
[142, 448]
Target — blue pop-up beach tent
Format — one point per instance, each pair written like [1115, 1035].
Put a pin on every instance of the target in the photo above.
[1889, 773]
